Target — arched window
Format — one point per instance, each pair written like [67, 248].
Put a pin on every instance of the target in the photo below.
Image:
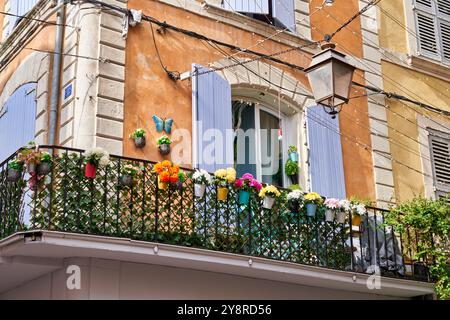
[17, 120]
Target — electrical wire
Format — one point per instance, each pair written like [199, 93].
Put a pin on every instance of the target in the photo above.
[38, 20]
[174, 75]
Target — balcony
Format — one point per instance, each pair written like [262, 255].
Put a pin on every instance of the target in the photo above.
[64, 200]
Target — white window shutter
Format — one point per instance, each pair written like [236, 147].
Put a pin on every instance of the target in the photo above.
[444, 27]
[427, 34]
[440, 158]
[443, 7]
[249, 6]
[212, 120]
[284, 13]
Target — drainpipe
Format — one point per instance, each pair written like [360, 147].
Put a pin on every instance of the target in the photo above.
[56, 74]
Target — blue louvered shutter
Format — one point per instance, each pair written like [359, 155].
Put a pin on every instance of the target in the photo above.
[250, 6]
[212, 117]
[18, 120]
[283, 11]
[325, 154]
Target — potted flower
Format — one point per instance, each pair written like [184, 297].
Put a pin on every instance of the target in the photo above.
[167, 173]
[164, 145]
[95, 158]
[15, 168]
[129, 173]
[358, 209]
[45, 165]
[138, 136]
[222, 177]
[291, 169]
[312, 200]
[201, 179]
[245, 185]
[295, 200]
[332, 206]
[345, 207]
[293, 153]
[269, 195]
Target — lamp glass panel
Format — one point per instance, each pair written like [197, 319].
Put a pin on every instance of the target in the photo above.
[321, 81]
[343, 75]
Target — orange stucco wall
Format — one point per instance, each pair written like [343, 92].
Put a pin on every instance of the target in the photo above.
[149, 91]
[354, 120]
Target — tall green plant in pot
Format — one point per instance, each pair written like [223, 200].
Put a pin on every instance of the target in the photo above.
[430, 219]
[291, 169]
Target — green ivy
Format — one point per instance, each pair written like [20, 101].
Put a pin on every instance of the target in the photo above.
[431, 220]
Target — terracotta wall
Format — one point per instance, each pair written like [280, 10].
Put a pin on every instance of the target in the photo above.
[354, 121]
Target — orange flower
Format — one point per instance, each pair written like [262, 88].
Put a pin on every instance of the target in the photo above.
[158, 168]
[174, 169]
[164, 176]
[166, 164]
[174, 178]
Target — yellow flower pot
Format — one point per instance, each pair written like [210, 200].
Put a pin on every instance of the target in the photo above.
[162, 185]
[356, 220]
[222, 193]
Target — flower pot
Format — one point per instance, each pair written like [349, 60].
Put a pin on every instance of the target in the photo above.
[222, 193]
[356, 220]
[13, 175]
[311, 209]
[199, 190]
[31, 167]
[162, 185]
[33, 182]
[90, 171]
[268, 202]
[126, 180]
[244, 197]
[340, 217]
[330, 215]
[44, 168]
[164, 149]
[293, 156]
[293, 206]
[294, 178]
[139, 142]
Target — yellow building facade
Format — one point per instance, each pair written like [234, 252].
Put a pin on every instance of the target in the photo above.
[415, 54]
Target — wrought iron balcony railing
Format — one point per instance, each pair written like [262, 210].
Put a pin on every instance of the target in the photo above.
[65, 200]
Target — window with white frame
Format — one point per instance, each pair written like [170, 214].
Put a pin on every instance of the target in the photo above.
[17, 9]
[440, 160]
[432, 18]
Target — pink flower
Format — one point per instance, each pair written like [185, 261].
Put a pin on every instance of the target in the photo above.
[247, 176]
[255, 183]
[332, 203]
[238, 183]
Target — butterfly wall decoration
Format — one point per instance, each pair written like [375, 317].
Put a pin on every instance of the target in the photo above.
[161, 124]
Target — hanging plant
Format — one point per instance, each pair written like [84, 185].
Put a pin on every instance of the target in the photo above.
[269, 195]
[129, 173]
[167, 173]
[293, 153]
[291, 169]
[164, 145]
[138, 136]
[223, 177]
[312, 201]
[45, 165]
[201, 179]
[30, 157]
[246, 184]
[15, 168]
[95, 158]
[295, 201]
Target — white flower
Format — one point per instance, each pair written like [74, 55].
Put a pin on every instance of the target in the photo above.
[345, 204]
[104, 160]
[294, 195]
[360, 209]
[201, 176]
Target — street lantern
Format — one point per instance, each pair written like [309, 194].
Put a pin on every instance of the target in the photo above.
[330, 77]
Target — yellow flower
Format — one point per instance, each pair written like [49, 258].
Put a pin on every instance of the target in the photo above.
[221, 173]
[313, 197]
[271, 190]
[231, 172]
[231, 178]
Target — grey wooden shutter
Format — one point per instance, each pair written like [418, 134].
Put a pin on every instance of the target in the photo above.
[443, 7]
[444, 27]
[283, 11]
[18, 120]
[212, 110]
[325, 154]
[427, 34]
[440, 159]
[249, 6]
